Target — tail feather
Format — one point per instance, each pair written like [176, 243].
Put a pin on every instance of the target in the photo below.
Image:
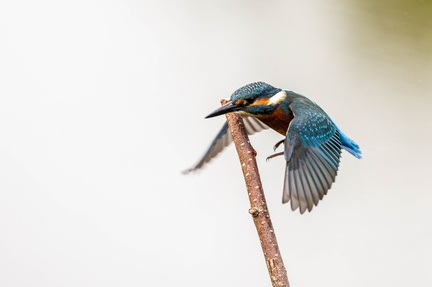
[350, 146]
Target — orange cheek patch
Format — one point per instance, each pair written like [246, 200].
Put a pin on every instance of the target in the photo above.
[263, 102]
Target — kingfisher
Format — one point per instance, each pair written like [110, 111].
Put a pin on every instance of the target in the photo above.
[312, 142]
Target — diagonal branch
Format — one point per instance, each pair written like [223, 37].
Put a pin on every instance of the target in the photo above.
[258, 210]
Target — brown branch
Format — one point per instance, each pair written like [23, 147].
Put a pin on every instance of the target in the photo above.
[258, 210]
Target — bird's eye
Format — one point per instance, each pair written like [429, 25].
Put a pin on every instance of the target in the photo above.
[248, 102]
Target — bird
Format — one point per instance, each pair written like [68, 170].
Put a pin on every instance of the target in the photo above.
[312, 141]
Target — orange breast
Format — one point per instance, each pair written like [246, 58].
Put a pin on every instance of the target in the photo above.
[278, 120]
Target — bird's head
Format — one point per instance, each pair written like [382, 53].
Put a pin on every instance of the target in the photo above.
[253, 99]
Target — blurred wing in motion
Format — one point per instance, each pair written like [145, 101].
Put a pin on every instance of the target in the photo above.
[224, 138]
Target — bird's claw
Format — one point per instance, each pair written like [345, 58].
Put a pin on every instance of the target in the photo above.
[274, 155]
[278, 144]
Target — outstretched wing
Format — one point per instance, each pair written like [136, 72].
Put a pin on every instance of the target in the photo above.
[224, 138]
[312, 151]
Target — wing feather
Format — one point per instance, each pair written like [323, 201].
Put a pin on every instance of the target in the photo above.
[312, 151]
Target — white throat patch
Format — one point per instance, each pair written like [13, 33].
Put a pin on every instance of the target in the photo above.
[276, 99]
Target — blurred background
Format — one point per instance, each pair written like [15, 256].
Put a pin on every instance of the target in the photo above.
[102, 105]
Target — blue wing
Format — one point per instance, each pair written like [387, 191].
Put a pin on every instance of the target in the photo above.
[312, 151]
[224, 138]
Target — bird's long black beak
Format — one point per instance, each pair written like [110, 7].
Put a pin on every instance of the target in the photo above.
[227, 108]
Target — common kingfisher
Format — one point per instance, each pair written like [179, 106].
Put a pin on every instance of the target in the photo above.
[312, 145]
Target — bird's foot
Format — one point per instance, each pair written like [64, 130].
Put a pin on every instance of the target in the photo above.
[278, 144]
[274, 155]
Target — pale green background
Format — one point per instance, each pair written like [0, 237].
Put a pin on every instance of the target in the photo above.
[102, 105]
